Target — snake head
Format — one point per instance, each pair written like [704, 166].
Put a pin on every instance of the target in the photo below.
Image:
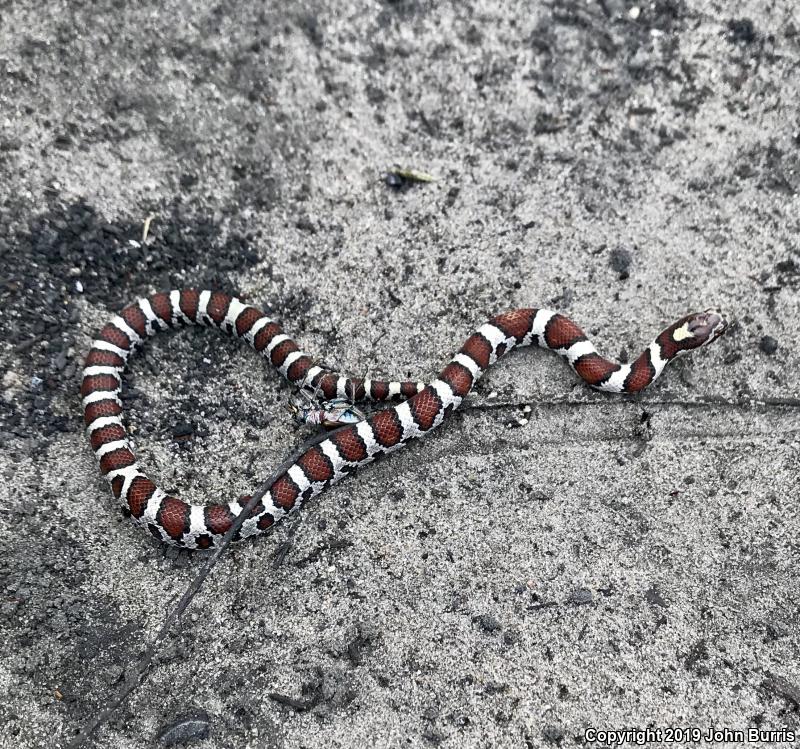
[698, 329]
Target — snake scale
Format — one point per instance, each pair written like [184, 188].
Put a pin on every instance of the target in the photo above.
[191, 526]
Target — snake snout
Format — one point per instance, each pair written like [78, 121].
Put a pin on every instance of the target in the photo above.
[707, 326]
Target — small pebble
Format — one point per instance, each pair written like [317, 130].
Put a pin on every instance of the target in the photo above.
[304, 223]
[487, 622]
[581, 596]
[395, 181]
[621, 262]
[554, 734]
[60, 362]
[11, 380]
[79, 287]
[182, 432]
[768, 345]
[741, 30]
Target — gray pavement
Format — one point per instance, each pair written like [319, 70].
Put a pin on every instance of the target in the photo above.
[609, 564]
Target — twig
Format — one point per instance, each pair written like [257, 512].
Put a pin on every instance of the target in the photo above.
[300, 705]
[411, 175]
[782, 688]
[709, 401]
[141, 668]
[284, 547]
[333, 544]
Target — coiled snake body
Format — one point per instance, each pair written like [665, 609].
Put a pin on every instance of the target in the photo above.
[201, 527]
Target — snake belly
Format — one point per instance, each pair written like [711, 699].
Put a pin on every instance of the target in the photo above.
[194, 526]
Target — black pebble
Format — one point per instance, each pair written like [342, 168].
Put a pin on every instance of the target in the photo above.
[182, 431]
[741, 30]
[768, 345]
[788, 266]
[621, 262]
[487, 622]
[395, 181]
[304, 223]
[188, 181]
[553, 734]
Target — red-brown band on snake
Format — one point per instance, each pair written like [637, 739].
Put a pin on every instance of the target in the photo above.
[201, 527]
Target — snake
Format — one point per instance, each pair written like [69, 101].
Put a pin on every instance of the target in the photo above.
[422, 407]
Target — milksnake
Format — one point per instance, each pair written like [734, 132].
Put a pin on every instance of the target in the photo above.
[425, 406]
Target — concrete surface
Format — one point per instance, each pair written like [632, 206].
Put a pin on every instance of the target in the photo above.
[612, 563]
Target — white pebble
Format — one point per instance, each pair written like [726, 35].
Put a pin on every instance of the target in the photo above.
[12, 383]
[79, 287]
[493, 394]
[634, 12]
[11, 379]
